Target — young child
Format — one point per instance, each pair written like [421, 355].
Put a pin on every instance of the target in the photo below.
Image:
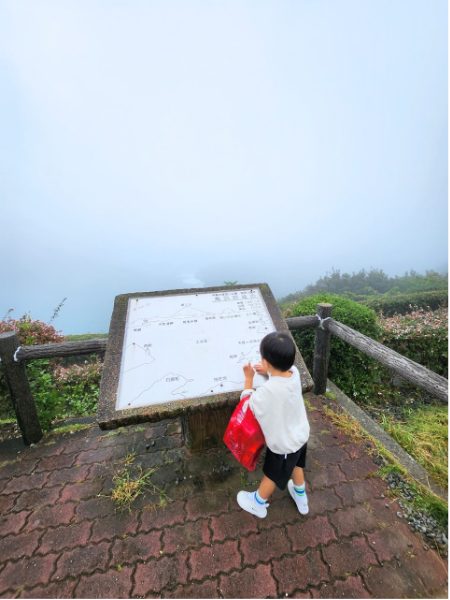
[279, 409]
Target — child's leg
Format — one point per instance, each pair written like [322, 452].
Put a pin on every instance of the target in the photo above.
[298, 476]
[297, 490]
[256, 502]
[266, 488]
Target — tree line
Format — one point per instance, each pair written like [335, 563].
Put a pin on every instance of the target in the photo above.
[373, 282]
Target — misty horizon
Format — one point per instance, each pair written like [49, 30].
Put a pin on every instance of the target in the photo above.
[160, 146]
[64, 312]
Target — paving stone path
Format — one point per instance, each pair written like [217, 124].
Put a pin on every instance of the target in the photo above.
[61, 535]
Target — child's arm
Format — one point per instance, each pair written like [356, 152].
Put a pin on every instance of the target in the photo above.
[249, 374]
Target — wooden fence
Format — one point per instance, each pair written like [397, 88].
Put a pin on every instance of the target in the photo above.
[14, 357]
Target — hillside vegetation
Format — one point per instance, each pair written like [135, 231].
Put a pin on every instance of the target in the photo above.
[377, 290]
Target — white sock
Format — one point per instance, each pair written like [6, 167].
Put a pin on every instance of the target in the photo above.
[300, 490]
[258, 499]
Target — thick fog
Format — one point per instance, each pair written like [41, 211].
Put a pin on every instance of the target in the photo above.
[160, 145]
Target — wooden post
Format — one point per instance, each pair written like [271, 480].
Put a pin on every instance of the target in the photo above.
[19, 387]
[321, 350]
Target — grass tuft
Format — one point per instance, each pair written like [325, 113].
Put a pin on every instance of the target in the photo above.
[131, 481]
[424, 499]
[423, 433]
[128, 486]
[114, 432]
[71, 428]
[347, 424]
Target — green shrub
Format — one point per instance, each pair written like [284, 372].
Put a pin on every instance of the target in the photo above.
[349, 368]
[49, 401]
[61, 392]
[80, 386]
[402, 304]
[58, 391]
[31, 331]
[421, 336]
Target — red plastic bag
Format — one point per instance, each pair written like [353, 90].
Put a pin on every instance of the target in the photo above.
[243, 435]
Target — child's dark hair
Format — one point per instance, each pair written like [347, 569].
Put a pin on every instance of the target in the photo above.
[278, 349]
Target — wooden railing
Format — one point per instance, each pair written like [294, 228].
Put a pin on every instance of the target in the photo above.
[95, 346]
[14, 357]
[409, 370]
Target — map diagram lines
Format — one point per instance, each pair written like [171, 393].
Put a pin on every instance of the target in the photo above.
[168, 377]
[146, 354]
[190, 345]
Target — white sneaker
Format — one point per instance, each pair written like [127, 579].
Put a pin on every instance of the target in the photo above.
[247, 501]
[300, 501]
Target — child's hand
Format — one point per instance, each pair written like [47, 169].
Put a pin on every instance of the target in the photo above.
[260, 369]
[248, 371]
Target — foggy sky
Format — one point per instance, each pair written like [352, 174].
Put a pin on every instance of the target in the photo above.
[159, 145]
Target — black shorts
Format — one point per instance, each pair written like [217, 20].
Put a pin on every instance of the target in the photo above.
[279, 467]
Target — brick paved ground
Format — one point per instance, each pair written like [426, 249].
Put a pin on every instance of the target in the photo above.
[61, 537]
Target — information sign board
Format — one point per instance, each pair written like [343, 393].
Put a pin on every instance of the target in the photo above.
[173, 350]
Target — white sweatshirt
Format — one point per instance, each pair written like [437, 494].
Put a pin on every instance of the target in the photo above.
[279, 409]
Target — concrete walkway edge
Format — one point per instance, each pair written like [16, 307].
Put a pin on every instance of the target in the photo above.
[406, 460]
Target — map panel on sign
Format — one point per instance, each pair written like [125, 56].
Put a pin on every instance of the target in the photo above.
[190, 345]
